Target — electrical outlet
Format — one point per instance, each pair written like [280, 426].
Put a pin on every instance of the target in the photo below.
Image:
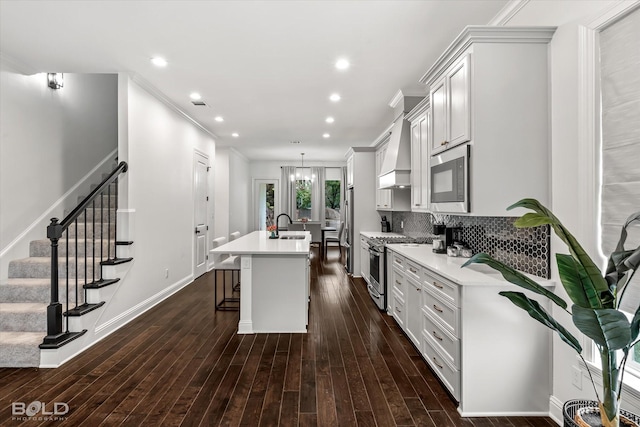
[576, 377]
[166, 273]
[402, 225]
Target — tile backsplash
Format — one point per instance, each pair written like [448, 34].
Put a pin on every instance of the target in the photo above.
[525, 249]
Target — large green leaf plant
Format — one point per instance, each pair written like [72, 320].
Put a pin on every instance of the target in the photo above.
[596, 299]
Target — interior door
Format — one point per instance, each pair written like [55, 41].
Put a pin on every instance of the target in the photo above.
[200, 168]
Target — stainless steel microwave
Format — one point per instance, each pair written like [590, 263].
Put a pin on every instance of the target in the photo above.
[449, 176]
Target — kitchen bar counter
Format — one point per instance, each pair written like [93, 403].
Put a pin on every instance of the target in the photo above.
[274, 282]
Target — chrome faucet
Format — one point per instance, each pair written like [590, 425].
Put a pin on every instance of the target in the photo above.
[277, 222]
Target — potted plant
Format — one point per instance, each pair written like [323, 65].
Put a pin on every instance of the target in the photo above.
[595, 298]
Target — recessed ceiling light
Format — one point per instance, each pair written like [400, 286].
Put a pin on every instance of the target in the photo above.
[335, 97]
[159, 62]
[195, 96]
[218, 119]
[329, 120]
[326, 135]
[235, 134]
[342, 64]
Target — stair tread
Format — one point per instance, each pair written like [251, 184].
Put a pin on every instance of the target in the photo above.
[22, 307]
[21, 338]
[27, 281]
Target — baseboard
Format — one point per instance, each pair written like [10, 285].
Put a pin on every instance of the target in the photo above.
[245, 327]
[56, 358]
[502, 414]
[555, 410]
[127, 316]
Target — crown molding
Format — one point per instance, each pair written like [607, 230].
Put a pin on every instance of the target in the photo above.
[485, 34]
[160, 96]
[420, 108]
[17, 65]
[509, 10]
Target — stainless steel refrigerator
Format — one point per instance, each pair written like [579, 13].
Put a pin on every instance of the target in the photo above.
[350, 243]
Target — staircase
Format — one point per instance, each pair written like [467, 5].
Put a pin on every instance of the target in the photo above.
[28, 323]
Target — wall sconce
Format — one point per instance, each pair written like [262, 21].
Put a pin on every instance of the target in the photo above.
[55, 80]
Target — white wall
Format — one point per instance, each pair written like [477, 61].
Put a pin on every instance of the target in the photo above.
[567, 172]
[50, 139]
[159, 145]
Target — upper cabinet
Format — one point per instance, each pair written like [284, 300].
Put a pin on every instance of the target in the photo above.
[450, 100]
[490, 89]
[420, 118]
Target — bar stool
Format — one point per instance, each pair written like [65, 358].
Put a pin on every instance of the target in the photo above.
[224, 263]
[236, 286]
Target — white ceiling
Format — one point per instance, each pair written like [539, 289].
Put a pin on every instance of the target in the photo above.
[267, 67]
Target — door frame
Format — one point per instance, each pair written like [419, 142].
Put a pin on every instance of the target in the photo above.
[200, 157]
[255, 191]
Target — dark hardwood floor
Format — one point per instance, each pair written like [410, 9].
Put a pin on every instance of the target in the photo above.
[182, 363]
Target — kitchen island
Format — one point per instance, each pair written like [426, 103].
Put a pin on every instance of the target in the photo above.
[274, 281]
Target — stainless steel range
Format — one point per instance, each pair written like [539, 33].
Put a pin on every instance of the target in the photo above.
[377, 286]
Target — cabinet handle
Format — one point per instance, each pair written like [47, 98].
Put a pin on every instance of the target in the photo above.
[438, 337]
[398, 283]
[437, 285]
[436, 362]
[444, 143]
[398, 261]
[418, 289]
[412, 270]
[398, 310]
[438, 309]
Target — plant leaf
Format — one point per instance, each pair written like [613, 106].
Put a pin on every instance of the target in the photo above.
[515, 277]
[577, 283]
[635, 325]
[532, 219]
[607, 327]
[575, 248]
[537, 312]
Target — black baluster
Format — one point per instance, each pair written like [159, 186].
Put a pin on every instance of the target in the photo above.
[76, 259]
[115, 224]
[67, 285]
[93, 243]
[101, 230]
[109, 222]
[85, 252]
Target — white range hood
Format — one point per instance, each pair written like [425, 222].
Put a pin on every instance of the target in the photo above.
[396, 165]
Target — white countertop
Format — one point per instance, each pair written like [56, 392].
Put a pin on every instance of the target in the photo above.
[258, 242]
[374, 234]
[451, 267]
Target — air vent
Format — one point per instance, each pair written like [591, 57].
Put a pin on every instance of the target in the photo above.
[199, 103]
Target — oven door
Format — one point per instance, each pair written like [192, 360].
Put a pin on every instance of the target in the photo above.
[449, 176]
[376, 277]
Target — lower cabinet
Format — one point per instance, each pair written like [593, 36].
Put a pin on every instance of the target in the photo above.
[364, 258]
[492, 358]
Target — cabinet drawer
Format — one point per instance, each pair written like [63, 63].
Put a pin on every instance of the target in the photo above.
[447, 290]
[442, 311]
[413, 269]
[398, 310]
[447, 344]
[398, 261]
[449, 375]
[398, 281]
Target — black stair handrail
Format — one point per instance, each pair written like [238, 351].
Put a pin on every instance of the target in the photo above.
[55, 334]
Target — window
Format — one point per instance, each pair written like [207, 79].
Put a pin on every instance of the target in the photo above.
[303, 199]
[332, 202]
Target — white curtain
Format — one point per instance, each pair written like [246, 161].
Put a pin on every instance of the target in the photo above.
[620, 86]
[288, 191]
[318, 193]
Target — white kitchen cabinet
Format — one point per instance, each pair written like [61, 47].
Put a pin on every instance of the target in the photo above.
[420, 118]
[451, 112]
[490, 89]
[350, 171]
[467, 333]
[364, 258]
